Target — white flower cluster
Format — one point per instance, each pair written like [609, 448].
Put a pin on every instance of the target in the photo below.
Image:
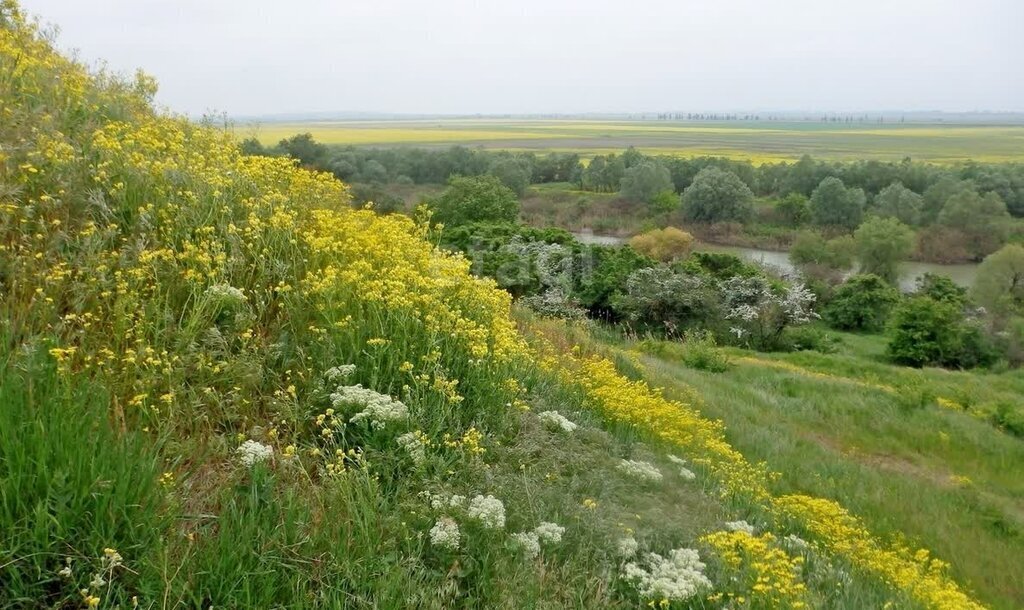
[684, 472]
[627, 547]
[553, 420]
[739, 526]
[527, 542]
[336, 374]
[226, 295]
[253, 452]
[637, 469]
[441, 501]
[378, 409]
[549, 533]
[677, 578]
[795, 542]
[412, 443]
[445, 534]
[488, 510]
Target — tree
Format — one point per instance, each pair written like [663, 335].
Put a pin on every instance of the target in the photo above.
[662, 299]
[862, 302]
[882, 244]
[924, 332]
[999, 284]
[604, 174]
[252, 146]
[303, 147]
[475, 199]
[941, 288]
[645, 180]
[664, 245]
[899, 202]
[717, 195]
[981, 218]
[936, 195]
[512, 173]
[810, 249]
[794, 210]
[832, 204]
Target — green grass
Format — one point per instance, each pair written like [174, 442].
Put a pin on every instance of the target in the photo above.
[758, 141]
[897, 465]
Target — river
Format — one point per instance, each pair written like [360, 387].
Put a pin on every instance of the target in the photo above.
[962, 275]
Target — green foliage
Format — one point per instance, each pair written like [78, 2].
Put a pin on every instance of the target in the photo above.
[981, 218]
[719, 265]
[663, 245]
[999, 285]
[603, 174]
[665, 202]
[662, 300]
[794, 210]
[701, 352]
[834, 205]
[811, 249]
[899, 202]
[882, 244]
[645, 181]
[513, 173]
[862, 302]
[304, 148]
[924, 332]
[383, 201]
[935, 196]
[475, 199]
[609, 269]
[941, 288]
[717, 196]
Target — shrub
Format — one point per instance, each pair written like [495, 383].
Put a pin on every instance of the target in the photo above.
[832, 204]
[717, 195]
[664, 245]
[759, 313]
[644, 181]
[701, 352]
[928, 332]
[862, 302]
[882, 244]
[658, 298]
[476, 199]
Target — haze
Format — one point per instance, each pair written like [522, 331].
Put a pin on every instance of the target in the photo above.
[538, 56]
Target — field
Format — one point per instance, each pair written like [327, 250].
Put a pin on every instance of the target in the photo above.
[758, 141]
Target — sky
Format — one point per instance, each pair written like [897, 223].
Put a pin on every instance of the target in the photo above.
[262, 57]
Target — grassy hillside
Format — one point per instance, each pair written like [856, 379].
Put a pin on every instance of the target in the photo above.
[221, 386]
[758, 141]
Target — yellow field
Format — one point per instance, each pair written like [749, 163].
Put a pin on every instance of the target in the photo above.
[760, 142]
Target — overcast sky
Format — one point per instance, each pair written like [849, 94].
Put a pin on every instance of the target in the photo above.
[249, 57]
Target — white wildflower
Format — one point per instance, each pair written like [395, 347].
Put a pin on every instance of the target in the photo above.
[340, 373]
[795, 542]
[553, 420]
[677, 578]
[225, 294]
[253, 452]
[413, 444]
[637, 469]
[527, 542]
[445, 534]
[65, 572]
[97, 581]
[457, 501]
[684, 472]
[627, 547]
[488, 510]
[739, 526]
[549, 533]
[378, 409]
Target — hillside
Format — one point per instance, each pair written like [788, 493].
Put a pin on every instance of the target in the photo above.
[222, 386]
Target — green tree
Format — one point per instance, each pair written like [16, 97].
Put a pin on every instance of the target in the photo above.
[303, 147]
[812, 249]
[983, 220]
[923, 332]
[882, 244]
[717, 195]
[863, 302]
[475, 199]
[999, 284]
[512, 173]
[899, 202]
[794, 210]
[936, 195]
[645, 181]
[832, 204]
[941, 288]
[252, 146]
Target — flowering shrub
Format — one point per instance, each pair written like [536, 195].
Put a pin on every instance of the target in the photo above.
[445, 534]
[549, 533]
[488, 510]
[253, 452]
[759, 313]
[527, 542]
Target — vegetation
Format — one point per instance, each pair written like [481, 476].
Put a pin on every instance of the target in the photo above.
[222, 384]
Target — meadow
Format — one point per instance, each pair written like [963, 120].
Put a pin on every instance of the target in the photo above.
[758, 141]
[222, 385]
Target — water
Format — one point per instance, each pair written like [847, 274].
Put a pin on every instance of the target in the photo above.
[962, 275]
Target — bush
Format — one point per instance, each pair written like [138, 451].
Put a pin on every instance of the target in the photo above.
[701, 352]
[477, 199]
[811, 338]
[862, 302]
[717, 196]
[664, 245]
[664, 300]
[925, 332]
